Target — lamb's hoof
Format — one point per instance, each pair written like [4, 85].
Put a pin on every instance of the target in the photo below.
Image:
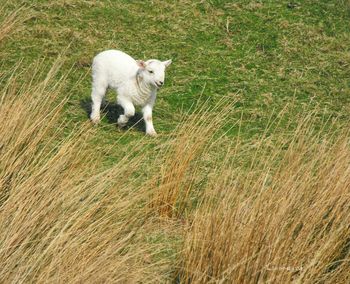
[152, 133]
[95, 120]
[121, 125]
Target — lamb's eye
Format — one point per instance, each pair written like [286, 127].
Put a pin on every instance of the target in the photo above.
[150, 71]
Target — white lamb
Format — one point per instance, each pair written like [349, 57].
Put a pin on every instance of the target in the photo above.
[136, 84]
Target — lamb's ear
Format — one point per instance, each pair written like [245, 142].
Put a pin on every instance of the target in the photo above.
[141, 63]
[167, 62]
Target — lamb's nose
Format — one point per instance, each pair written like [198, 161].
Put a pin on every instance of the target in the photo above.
[161, 83]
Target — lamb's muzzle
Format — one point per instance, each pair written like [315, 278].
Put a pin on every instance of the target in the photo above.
[160, 83]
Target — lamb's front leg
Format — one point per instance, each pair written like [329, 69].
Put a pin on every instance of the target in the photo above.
[147, 117]
[129, 111]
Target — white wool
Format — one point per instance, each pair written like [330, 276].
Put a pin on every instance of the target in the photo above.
[136, 84]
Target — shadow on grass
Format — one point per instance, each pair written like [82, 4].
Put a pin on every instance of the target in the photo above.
[112, 111]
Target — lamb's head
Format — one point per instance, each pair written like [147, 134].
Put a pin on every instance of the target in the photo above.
[152, 71]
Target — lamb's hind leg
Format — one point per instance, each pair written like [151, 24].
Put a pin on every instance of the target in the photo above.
[97, 95]
[129, 111]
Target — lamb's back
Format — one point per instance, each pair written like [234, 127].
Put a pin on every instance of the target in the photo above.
[114, 66]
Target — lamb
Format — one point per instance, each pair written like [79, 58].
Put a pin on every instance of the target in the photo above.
[136, 83]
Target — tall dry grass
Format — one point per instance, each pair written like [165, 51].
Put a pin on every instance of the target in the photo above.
[62, 217]
[9, 22]
[182, 166]
[283, 217]
[212, 208]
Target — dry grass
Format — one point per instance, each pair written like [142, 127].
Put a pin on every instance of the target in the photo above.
[272, 210]
[9, 22]
[283, 219]
[176, 182]
[62, 218]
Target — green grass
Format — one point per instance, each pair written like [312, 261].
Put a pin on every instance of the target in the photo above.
[264, 54]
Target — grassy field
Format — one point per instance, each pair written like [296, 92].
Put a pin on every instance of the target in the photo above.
[249, 179]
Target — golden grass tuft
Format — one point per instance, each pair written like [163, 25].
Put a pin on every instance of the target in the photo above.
[63, 218]
[283, 219]
[9, 22]
[176, 180]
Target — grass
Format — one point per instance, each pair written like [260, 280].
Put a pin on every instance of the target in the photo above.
[283, 220]
[248, 181]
